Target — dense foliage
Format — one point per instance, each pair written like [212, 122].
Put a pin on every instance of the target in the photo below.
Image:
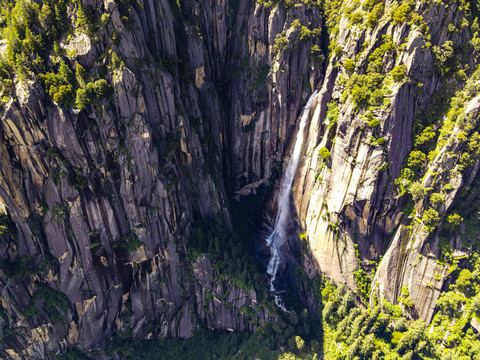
[203, 345]
[37, 35]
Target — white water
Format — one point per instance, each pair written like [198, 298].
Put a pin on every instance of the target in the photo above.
[278, 236]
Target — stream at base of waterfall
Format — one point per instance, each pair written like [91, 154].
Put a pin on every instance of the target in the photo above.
[278, 237]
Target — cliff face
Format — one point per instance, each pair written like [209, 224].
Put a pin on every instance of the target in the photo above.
[360, 179]
[104, 201]
[270, 85]
[104, 196]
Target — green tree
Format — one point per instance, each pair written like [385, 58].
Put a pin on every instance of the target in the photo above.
[425, 138]
[449, 302]
[417, 190]
[464, 282]
[414, 339]
[375, 15]
[324, 153]
[430, 219]
[90, 88]
[349, 65]
[66, 73]
[82, 99]
[453, 221]
[102, 88]
[46, 17]
[281, 43]
[296, 24]
[81, 75]
[402, 12]
[398, 72]
[436, 198]
[64, 95]
[444, 57]
[416, 159]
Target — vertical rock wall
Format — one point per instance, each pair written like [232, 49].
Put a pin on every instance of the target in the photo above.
[103, 199]
[346, 195]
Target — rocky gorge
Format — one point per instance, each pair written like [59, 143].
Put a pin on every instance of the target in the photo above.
[143, 146]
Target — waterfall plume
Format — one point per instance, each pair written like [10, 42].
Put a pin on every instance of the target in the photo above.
[278, 237]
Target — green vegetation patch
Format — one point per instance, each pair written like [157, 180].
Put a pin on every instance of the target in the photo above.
[368, 91]
[54, 303]
[202, 345]
[33, 31]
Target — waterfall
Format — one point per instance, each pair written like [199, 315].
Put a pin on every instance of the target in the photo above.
[278, 236]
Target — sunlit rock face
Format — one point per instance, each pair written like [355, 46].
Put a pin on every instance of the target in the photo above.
[350, 201]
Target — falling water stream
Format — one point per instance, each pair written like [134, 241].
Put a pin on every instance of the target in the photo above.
[278, 237]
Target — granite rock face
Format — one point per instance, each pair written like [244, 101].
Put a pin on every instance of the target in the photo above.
[349, 201]
[103, 201]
